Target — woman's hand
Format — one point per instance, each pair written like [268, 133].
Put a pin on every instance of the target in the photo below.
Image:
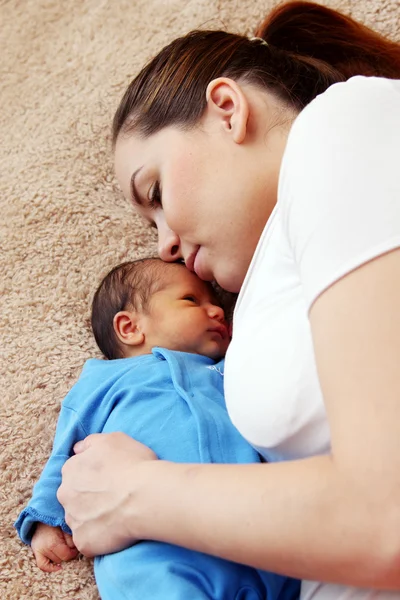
[97, 491]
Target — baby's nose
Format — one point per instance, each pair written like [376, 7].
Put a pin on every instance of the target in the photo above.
[216, 312]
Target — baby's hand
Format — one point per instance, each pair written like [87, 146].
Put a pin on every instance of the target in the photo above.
[51, 546]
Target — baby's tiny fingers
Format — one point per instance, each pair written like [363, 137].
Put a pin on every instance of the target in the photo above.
[45, 564]
[62, 552]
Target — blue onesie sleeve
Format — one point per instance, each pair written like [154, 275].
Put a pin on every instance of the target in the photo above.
[84, 410]
[44, 506]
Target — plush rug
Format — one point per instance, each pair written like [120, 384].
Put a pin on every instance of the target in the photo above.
[63, 220]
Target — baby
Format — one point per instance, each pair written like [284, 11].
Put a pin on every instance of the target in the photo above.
[164, 334]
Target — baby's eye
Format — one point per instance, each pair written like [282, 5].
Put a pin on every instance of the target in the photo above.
[190, 298]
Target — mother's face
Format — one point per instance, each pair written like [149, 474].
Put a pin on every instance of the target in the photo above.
[204, 191]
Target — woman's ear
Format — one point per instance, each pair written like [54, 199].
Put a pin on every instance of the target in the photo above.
[227, 103]
[126, 327]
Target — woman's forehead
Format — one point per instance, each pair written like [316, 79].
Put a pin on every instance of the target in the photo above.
[128, 154]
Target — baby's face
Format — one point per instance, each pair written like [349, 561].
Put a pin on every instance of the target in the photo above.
[183, 315]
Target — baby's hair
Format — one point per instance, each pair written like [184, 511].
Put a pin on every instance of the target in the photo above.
[129, 285]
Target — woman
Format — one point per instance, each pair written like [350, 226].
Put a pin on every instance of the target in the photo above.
[292, 200]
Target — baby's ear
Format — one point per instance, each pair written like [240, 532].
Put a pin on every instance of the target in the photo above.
[126, 328]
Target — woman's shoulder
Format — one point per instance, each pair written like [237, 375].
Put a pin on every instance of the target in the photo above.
[356, 120]
[357, 99]
[360, 86]
[339, 183]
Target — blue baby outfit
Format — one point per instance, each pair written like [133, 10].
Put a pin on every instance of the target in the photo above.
[173, 402]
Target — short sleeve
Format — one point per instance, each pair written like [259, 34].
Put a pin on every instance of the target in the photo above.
[339, 188]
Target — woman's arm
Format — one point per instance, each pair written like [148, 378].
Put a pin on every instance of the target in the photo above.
[333, 518]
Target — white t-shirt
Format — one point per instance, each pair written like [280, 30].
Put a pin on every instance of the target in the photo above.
[338, 207]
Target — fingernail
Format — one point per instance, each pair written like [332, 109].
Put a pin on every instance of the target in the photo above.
[78, 447]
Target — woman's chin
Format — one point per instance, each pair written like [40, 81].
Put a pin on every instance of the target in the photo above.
[230, 277]
[229, 284]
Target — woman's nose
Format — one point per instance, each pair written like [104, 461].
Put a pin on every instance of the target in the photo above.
[169, 248]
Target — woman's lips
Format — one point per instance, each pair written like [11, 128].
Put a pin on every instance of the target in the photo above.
[200, 268]
[193, 263]
[189, 262]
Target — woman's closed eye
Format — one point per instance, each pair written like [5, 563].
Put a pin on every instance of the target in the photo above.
[155, 196]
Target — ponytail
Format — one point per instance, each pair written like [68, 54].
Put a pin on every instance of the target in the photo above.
[308, 30]
[309, 47]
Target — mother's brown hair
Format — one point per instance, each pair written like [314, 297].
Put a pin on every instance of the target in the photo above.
[309, 47]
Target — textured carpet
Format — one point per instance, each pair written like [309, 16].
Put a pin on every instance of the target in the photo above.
[63, 221]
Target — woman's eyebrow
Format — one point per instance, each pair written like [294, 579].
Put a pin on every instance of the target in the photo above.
[135, 196]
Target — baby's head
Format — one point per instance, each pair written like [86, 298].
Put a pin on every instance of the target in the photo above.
[147, 302]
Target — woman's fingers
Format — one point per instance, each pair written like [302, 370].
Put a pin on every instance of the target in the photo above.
[69, 541]
[98, 488]
[83, 445]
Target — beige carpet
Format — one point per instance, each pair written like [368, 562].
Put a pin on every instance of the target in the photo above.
[63, 221]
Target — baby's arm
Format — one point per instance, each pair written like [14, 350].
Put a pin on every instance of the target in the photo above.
[51, 546]
[44, 507]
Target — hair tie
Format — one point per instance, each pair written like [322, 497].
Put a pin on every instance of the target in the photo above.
[259, 39]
